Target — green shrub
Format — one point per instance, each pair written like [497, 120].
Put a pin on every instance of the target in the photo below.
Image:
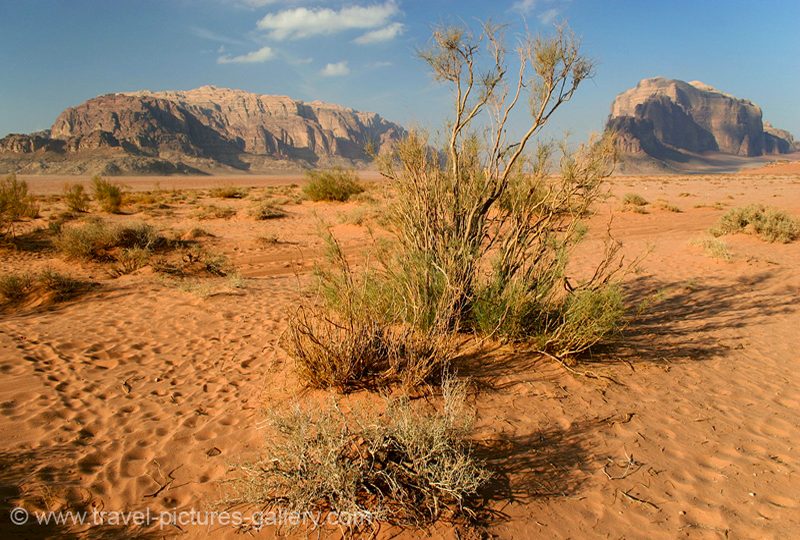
[15, 203]
[332, 185]
[768, 223]
[107, 195]
[96, 240]
[409, 466]
[16, 288]
[76, 198]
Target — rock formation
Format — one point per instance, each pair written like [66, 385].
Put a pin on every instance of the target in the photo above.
[207, 128]
[673, 120]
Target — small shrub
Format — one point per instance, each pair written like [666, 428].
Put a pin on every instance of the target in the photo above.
[714, 248]
[768, 223]
[669, 207]
[408, 467]
[15, 287]
[634, 199]
[228, 192]
[76, 198]
[96, 240]
[107, 195]
[193, 261]
[215, 212]
[266, 210]
[15, 203]
[332, 185]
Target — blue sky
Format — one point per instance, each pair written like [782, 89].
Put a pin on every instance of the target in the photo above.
[58, 53]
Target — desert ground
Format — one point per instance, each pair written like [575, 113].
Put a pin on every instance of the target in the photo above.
[148, 389]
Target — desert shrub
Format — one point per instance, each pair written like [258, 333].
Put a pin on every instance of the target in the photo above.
[15, 287]
[768, 223]
[15, 203]
[409, 466]
[76, 198]
[215, 212]
[714, 247]
[128, 260]
[108, 195]
[332, 185]
[97, 239]
[634, 199]
[267, 210]
[193, 261]
[669, 207]
[228, 192]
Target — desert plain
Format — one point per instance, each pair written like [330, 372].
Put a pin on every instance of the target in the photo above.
[147, 390]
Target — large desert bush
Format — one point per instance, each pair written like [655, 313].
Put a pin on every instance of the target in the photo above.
[107, 195]
[483, 224]
[768, 223]
[332, 185]
[15, 203]
[98, 240]
[408, 466]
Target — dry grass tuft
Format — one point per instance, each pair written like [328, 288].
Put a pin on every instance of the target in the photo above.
[15, 203]
[408, 466]
[215, 212]
[76, 198]
[17, 288]
[267, 210]
[714, 247]
[108, 196]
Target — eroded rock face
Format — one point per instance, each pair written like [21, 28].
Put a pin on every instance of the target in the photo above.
[211, 125]
[662, 116]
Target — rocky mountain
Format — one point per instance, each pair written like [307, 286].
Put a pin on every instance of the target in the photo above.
[203, 130]
[674, 121]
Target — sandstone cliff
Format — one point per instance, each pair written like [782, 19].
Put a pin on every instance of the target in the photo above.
[203, 129]
[672, 120]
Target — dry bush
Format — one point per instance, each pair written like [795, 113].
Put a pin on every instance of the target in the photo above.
[193, 261]
[76, 198]
[408, 466]
[634, 199]
[17, 288]
[98, 240]
[228, 192]
[215, 212]
[15, 203]
[108, 196]
[714, 247]
[768, 223]
[332, 185]
[266, 210]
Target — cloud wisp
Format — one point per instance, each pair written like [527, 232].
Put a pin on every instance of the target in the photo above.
[255, 57]
[301, 22]
[338, 69]
[386, 33]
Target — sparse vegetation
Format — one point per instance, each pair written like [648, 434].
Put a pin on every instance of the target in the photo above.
[15, 203]
[108, 195]
[768, 223]
[332, 185]
[215, 212]
[76, 198]
[714, 247]
[408, 466]
[632, 201]
[267, 210]
[52, 286]
[98, 240]
[669, 207]
[228, 192]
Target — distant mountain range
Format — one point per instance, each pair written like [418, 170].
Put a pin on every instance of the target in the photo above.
[205, 130]
[665, 123]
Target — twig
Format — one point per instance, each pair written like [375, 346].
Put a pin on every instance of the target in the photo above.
[587, 374]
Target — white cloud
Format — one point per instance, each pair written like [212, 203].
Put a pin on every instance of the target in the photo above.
[256, 57]
[523, 6]
[339, 69]
[547, 17]
[387, 33]
[210, 35]
[305, 22]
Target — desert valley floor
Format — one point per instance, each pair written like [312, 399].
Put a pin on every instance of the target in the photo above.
[148, 390]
